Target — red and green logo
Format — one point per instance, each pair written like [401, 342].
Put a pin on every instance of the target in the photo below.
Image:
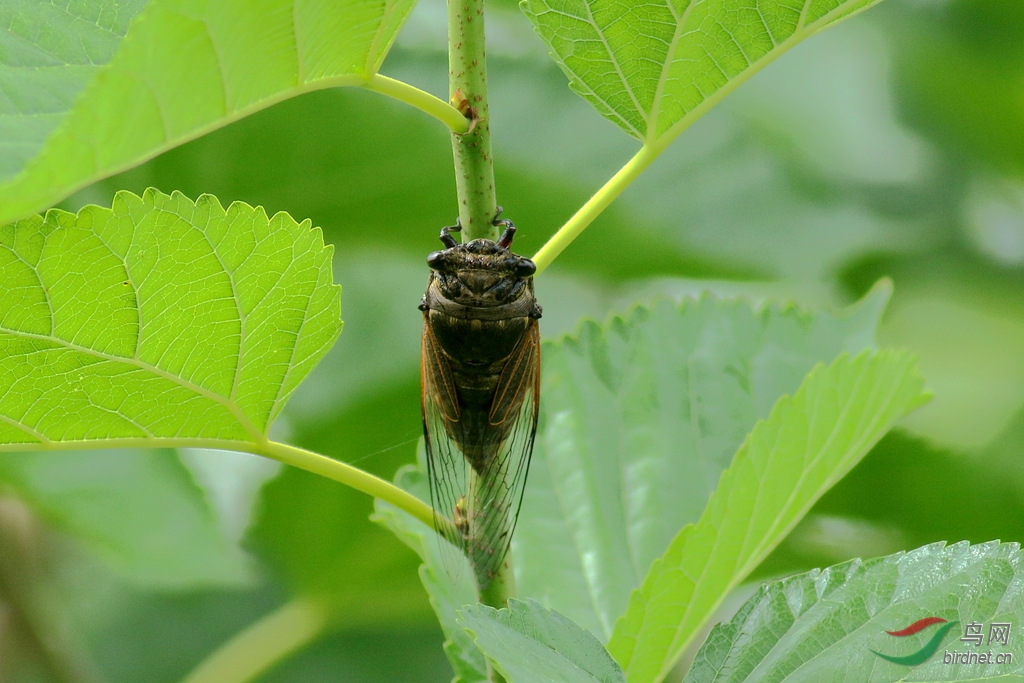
[929, 649]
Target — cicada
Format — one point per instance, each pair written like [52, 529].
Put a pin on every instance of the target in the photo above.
[480, 380]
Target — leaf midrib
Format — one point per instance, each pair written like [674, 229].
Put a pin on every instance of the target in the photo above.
[233, 408]
[659, 91]
[238, 307]
[25, 428]
[800, 33]
[373, 58]
[618, 68]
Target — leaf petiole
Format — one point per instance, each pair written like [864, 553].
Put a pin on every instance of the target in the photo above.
[424, 101]
[594, 206]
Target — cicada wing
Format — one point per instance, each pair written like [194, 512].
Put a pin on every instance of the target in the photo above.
[496, 494]
[446, 468]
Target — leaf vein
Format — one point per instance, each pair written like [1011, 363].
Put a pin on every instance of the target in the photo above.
[142, 365]
[25, 428]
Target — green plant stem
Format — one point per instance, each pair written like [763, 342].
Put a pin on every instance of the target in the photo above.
[424, 101]
[263, 644]
[496, 593]
[594, 206]
[467, 73]
[501, 588]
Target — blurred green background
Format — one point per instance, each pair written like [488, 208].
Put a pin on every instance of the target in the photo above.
[892, 145]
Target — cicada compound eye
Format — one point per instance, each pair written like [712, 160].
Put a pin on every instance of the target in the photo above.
[525, 268]
[436, 260]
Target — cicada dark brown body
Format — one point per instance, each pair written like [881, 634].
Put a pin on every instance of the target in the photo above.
[480, 378]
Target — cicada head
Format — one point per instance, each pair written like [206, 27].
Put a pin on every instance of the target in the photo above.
[481, 273]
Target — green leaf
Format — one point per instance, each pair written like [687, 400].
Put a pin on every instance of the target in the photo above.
[112, 317]
[789, 460]
[655, 68]
[641, 416]
[807, 627]
[446, 595]
[137, 510]
[528, 642]
[48, 53]
[183, 69]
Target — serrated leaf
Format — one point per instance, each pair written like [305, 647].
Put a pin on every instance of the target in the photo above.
[827, 625]
[641, 416]
[183, 69]
[655, 68]
[528, 642]
[138, 510]
[789, 460]
[162, 321]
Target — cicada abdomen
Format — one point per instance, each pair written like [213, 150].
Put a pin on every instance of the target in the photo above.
[480, 378]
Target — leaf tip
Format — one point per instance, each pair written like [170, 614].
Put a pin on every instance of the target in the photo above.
[873, 304]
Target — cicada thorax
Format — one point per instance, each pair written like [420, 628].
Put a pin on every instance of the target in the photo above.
[480, 390]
